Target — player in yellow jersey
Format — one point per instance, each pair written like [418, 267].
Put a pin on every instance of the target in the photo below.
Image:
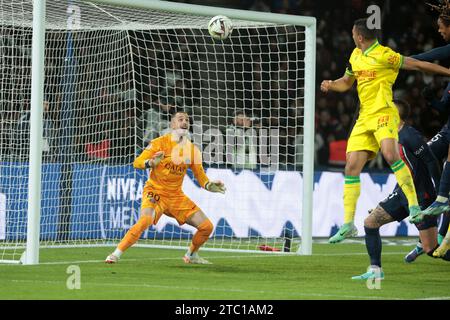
[375, 68]
[169, 157]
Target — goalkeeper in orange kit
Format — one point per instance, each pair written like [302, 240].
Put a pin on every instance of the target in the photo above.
[169, 157]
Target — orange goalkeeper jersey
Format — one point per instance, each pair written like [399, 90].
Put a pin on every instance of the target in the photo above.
[178, 157]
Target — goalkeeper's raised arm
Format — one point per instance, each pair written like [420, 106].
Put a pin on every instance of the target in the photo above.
[148, 159]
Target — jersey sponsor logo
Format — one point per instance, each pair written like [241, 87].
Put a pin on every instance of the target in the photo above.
[365, 74]
[419, 151]
[393, 59]
[383, 122]
[175, 169]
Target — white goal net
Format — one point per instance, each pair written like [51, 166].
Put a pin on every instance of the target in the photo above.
[113, 75]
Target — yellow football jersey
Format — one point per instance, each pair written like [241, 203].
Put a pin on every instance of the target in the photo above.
[375, 70]
[178, 157]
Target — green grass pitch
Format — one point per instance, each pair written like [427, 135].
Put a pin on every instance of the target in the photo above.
[147, 273]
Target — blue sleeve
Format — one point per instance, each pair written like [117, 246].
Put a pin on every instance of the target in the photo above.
[421, 150]
[443, 104]
[440, 53]
[433, 167]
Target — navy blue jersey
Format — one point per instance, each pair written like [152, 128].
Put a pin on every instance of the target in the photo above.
[440, 53]
[439, 144]
[417, 155]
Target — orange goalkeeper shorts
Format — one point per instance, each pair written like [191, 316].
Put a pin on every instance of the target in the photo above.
[176, 205]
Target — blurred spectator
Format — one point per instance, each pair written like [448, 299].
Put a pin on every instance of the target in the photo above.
[99, 150]
[319, 146]
[343, 127]
[244, 149]
[174, 68]
[337, 151]
[48, 133]
[326, 128]
[157, 120]
[21, 141]
[260, 5]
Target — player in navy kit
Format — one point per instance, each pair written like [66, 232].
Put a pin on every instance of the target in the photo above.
[439, 144]
[424, 168]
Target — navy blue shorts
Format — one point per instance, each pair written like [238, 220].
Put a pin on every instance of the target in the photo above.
[396, 205]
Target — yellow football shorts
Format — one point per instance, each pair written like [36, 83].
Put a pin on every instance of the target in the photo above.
[176, 205]
[368, 132]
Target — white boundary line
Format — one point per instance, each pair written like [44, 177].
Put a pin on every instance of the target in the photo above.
[246, 256]
[205, 289]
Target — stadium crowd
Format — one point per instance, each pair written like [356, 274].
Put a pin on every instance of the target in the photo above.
[415, 32]
[407, 27]
[108, 111]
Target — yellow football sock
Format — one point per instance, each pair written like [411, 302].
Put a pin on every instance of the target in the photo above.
[135, 232]
[352, 190]
[201, 236]
[405, 181]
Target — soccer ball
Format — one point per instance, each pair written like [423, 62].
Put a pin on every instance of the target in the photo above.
[220, 27]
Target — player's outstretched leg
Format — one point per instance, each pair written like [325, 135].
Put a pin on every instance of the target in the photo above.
[414, 253]
[415, 214]
[377, 218]
[352, 190]
[440, 205]
[436, 208]
[389, 147]
[131, 237]
[347, 230]
[442, 250]
[373, 272]
[204, 230]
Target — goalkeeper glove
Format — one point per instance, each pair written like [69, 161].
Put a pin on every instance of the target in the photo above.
[216, 186]
[152, 163]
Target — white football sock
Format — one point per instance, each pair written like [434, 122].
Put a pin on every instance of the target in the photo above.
[117, 253]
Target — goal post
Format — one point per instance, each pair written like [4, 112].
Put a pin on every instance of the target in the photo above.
[36, 114]
[308, 145]
[133, 62]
